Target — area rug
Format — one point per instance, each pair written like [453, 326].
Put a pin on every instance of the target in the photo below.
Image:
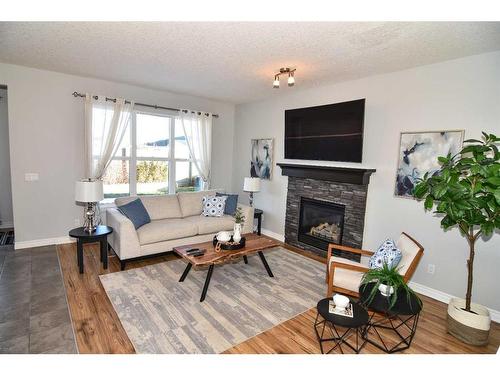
[161, 315]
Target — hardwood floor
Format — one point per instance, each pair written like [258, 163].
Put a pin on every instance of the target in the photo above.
[98, 329]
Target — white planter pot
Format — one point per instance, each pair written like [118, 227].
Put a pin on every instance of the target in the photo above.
[470, 327]
[386, 290]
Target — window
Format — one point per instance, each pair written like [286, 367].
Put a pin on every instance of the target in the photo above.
[153, 159]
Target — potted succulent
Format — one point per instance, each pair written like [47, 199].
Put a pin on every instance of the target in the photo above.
[389, 282]
[466, 193]
[239, 219]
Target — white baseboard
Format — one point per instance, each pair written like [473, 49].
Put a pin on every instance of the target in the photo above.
[276, 236]
[42, 242]
[445, 297]
[7, 224]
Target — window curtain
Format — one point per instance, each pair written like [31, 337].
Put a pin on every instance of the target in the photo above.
[198, 131]
[105, 125]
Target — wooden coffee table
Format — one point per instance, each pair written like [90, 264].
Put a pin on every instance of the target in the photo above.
[211, 258]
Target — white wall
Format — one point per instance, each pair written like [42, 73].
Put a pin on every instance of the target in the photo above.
[458, 94]
[46, 137]
[5, 188]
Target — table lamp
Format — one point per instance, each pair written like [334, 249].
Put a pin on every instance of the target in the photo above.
[90, 192]
[251, 185]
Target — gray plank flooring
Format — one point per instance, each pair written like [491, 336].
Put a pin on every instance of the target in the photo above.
[34, 314]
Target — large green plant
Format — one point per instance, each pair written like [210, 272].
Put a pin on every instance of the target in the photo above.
[466, 190]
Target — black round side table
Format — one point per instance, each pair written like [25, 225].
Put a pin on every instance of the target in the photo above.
[354, 326]
[99, 235]
[399, 322]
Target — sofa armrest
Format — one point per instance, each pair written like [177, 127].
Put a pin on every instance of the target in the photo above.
[124, 239]
[248, 212]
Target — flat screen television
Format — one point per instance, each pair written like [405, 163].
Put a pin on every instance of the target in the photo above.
[331, 132]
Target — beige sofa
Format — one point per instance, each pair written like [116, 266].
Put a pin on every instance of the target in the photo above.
[175, 220]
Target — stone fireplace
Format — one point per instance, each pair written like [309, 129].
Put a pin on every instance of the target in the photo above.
[320, 222]
[325, 205]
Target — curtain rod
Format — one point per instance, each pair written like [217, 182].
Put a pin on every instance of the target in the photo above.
[79, 94]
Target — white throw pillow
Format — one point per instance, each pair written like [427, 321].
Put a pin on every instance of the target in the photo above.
[214, 206]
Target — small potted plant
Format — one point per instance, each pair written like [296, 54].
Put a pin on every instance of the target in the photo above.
[239, 219]
[389, 282]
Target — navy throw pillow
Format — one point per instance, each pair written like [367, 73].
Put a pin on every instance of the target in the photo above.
[136, 212]
[231, 203]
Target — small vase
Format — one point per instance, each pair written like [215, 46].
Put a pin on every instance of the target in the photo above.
[237, 232]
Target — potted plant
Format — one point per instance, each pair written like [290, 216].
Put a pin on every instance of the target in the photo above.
[389, 282]
[466, 192]
[239, 219]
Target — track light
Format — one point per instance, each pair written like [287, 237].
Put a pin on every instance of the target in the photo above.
[276, 83]
[291, 77]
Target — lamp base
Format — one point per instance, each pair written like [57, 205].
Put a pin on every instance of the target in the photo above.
[91, 218]
[250, 199]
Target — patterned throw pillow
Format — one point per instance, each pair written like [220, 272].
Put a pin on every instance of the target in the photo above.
[387, 253]
[213, 206]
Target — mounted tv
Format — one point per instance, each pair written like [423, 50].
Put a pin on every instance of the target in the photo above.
[331, 132]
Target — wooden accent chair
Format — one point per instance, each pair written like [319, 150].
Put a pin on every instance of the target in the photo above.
[344, 275]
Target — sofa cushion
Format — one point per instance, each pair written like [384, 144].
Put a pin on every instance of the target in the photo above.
[191, 204]
[165, 229]
[135, 212]
[231, 203]
[158, 206]
[213, 206]
[348, 279]
[206, 224]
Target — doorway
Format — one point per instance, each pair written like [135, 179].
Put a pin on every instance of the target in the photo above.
[6, 215]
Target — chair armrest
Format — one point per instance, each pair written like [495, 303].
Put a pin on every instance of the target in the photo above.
[349, 249]
[124, 239]
[248, 223]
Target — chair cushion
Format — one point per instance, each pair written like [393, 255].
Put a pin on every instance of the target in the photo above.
[387, 253]
[348, 279]
[213, 206]
[191, 204]
[158, 206]
[136, 213]
[206, 225]
[166, 229]
[409, 250]
[231, 203]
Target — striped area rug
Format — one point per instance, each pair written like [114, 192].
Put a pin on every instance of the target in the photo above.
[162, 315]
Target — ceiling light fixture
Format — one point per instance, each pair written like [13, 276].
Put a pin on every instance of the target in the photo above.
[291, 77]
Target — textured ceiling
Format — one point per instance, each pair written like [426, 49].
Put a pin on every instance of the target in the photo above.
[236, 61]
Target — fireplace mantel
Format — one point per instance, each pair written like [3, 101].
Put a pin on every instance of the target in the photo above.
[359, 176]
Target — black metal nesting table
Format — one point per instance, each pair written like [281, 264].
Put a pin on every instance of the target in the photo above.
[353, 326]
[401, 320]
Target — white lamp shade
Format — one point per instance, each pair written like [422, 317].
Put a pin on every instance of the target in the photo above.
[89, 191]
[251, 184]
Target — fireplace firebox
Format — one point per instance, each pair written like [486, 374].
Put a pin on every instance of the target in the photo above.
[320, 222]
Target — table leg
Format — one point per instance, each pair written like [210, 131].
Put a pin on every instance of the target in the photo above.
[104, 253]
[264, 261]
[207, 283]
[259, 224]
[245, 259]
[79, 255]
[185, 273]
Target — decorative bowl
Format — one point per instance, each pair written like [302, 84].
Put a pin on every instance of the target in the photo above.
[223, 236]
[340, 301]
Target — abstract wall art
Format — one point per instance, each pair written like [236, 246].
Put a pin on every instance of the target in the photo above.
[418, 154]
[261, 164]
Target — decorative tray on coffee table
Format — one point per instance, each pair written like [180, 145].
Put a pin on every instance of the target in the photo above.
[230, 245]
